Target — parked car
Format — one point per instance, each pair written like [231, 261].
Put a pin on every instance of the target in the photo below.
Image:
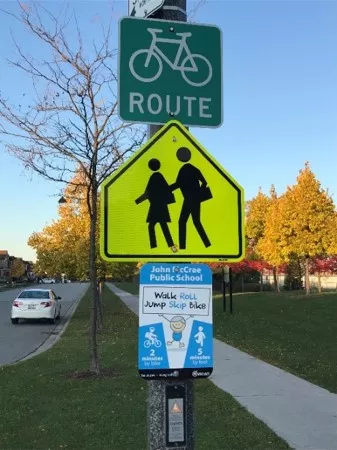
[48, 280]
[36, 304]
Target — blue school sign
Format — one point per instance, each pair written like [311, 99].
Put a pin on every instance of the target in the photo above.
[175, 337]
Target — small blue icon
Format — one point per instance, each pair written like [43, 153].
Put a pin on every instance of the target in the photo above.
[200, 336]
[152, 339]
[152, 352]
[200, 347]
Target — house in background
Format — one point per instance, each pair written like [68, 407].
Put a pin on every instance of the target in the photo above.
[29, 270]
[4, 266]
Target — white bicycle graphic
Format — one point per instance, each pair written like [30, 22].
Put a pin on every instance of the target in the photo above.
[189, 64]
[156, 343]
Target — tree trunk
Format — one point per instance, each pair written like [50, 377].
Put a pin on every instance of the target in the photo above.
[94, 363]
[319, 279]
[307, 281]
[261, 282]
[276, 285]
[100, 307]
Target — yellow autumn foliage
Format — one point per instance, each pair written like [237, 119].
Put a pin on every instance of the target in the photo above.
[302, 222]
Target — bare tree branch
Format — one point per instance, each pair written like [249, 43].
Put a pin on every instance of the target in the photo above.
[193, 11]
[74, 112]
[68, 122]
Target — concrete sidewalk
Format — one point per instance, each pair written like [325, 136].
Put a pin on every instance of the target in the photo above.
[303, 414]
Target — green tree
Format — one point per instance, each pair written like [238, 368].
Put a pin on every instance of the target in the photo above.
[123, 271]
[293, 274]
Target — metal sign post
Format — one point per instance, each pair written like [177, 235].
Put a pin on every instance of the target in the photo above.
[175, 346]
[223, 290]
[230, 290]
[156, 416]
[225, 282]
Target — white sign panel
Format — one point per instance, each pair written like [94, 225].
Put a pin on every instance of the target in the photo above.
[175, 336]
[144, 8]
[192, 301]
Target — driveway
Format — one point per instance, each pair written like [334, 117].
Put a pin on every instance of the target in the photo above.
[18, 341]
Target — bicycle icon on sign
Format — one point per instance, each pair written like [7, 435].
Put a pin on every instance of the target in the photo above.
[156, 343]
[151, 338]
[189, 65]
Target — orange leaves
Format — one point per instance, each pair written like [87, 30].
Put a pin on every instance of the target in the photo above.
[62, 246]
[270, 245]
[301, 222]
[307, 217]
[257, 209]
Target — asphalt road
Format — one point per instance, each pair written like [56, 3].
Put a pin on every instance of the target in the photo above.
[18, 341]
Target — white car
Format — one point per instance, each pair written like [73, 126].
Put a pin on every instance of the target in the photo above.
[48, 280]
[36, 304]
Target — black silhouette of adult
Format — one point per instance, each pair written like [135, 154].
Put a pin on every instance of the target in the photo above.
[159, 194]
[188, 181]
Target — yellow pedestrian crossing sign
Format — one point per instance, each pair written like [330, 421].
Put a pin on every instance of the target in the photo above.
[172, 201]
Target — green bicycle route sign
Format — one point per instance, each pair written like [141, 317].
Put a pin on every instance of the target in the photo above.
[170, 70]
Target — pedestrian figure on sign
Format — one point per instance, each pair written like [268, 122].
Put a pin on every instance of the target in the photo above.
[200, 336]
[159, 195]
[188, 181]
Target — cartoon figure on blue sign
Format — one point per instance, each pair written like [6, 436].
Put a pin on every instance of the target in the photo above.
[200, 337]
[177, 325]
[151, 339]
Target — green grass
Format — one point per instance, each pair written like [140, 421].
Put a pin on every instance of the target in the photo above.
[291, 331]
[8, 287]
[288, 330]
[44, 407]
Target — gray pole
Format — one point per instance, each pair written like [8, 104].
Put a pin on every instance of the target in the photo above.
[157, 390]
[171, 10]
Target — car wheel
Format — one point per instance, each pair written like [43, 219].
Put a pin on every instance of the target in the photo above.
[52, 321]
[15, 321]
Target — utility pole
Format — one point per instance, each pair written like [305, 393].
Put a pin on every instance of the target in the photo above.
[159, 425]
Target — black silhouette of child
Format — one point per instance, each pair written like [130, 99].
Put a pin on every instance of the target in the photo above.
[188, 181]
[159, 194]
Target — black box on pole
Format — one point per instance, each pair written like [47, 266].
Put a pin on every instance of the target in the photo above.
[175, 415]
